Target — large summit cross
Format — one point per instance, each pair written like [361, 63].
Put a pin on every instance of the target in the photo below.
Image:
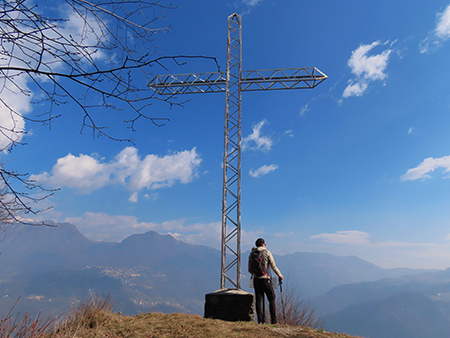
[233, 82]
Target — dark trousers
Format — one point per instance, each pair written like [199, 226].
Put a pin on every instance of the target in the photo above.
[264, 286]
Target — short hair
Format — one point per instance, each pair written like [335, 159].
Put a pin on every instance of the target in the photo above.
[259, 242]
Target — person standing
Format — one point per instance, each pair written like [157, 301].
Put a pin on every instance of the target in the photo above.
[261, 279]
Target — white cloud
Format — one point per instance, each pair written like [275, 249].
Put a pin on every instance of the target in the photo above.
[13, 125]
[366, 68]
[104, 227]
[15, 97]
[370, 67]
[304, 110]
[83, 173]
[134, 197]
[393, 244]
[411, 130]
[264, 170]
[443, 24]
[85, 31]
[351, 237]
[360, 238]
[86, 173]
[153, 172]
[252, 2]
[428, 165]
[289, 133]
[256, 141]
[388, 254]
[355, 89]
[437, 36]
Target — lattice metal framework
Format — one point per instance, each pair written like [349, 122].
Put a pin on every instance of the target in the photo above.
[251, 80]
[233, 82]
[231, 198]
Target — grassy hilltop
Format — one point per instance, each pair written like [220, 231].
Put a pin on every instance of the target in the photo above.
[182, 325]
[96, 318]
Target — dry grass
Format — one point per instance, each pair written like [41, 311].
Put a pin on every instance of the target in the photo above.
[24, 326]
[183, 325]
[94, 318]
[293, 310]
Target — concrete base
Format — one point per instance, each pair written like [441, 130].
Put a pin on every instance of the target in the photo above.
[231, 305]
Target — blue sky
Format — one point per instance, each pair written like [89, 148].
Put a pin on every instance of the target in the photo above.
[357, 166]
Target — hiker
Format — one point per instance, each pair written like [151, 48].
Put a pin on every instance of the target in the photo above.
[261, 279]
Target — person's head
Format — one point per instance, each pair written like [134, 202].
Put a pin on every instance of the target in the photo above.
[260, 242]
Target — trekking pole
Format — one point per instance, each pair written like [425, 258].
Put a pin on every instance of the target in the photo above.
[282, 301]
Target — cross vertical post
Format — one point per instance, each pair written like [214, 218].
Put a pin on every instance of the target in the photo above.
[231, 197]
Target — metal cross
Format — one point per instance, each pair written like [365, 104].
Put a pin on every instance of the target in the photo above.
[233, 82]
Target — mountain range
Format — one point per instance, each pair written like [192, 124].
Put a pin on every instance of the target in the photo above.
[54, 268]
[410, 306]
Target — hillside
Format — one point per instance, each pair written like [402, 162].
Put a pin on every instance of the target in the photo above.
[113, 325]
[407, 307]
[408, 314]
[318, 273]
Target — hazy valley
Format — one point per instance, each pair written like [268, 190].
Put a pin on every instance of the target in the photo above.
[53, 268]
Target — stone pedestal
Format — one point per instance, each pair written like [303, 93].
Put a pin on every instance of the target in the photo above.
[231, 305]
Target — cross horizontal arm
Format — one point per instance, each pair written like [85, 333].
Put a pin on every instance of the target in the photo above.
[189, 83]
[251, 80]
[279, 79]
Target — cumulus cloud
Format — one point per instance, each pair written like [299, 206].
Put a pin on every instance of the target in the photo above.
[153, 172]
[256, 141]
[13, 124]
[84, 30]
[264, 170]
[134, 197]
[428, 165]
[439, 34]
[86, 173]
[367, 68]
[355, 89]
[351, 237]
[443, 24]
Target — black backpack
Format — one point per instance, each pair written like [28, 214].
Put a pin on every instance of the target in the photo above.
[257, 263]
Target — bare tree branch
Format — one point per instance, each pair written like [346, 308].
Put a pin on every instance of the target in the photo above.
[14, 203]
[92, 54]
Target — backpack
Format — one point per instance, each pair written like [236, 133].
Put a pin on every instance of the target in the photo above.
[257, 263]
